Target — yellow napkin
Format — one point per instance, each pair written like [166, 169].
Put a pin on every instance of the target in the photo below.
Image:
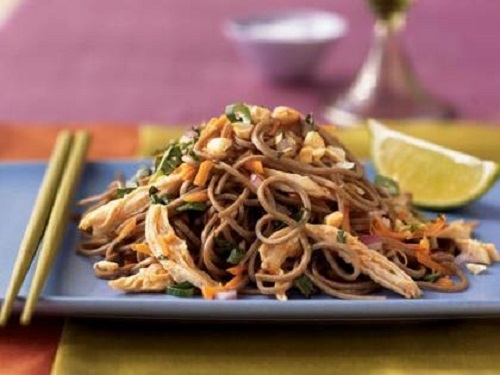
[440, 347]
[156, 347]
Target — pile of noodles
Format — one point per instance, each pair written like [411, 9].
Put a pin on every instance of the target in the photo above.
[270, 203]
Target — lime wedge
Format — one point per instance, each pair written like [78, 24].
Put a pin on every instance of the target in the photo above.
[437, 177]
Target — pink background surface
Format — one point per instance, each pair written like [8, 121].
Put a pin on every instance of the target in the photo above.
[168, 61]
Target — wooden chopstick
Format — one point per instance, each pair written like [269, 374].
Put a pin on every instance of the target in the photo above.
[57, 223]
[36, 225]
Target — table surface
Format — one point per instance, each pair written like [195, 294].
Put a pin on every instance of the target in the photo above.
[168, 61]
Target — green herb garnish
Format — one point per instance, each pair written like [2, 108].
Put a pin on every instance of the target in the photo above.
[388, 183]
[121, 192]
[194, 206]
[154, 197]
[433, 277]
[304, 285]
[184, 285]
[236, 255]
[341, 236]
[180, 292]
[171, 159]
[238, 112]
[414, 228]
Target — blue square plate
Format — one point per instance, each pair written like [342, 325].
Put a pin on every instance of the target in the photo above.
[73, 290]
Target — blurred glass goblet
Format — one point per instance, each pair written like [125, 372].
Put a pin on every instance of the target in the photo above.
[386, 86]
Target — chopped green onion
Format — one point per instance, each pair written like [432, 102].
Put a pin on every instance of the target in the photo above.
[414, 228]
[391, 185]
[432, 278]
[304, 285]
[155, 198]
[180, 292]
[341, 236]
[238, 112]
[121, 192]
[184, 285]
[171, 159]
[194, 206]
[236, 256]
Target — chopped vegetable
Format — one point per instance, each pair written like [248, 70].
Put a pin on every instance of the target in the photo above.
[391, 185]
[433, 277]
[236, 270]
[203, 173]
[254, 166]
[226, 295]
[180, 292]
[341, 236]
[171, 159]
[187, 171]
[121, 192]
[194, 206]
[209, 292]
[238, 112]
[197, 196]
[304, 285]
[236, 255]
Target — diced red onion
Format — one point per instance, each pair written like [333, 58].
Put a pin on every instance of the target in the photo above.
[372, 241]
[255, 180]
[226, 295]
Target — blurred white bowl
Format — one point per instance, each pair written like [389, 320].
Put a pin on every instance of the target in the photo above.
[286, 46]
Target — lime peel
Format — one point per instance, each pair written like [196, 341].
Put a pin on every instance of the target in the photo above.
[437, 177]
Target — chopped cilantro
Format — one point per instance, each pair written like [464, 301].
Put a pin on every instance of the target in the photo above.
[341, 236]
[304, 285]
[236, 255]
[238, 112]
[432, 278]
[121, 192]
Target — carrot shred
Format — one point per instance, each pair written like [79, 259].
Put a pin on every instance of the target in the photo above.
[236, 270]
[380, 229]
[274, 128]
[209, 292]
[254, 166]
[187, 171]
[203, 173]
[424, 256]
[197, 196]
[436, 226]
[445, 282]
[233, 283]
[141, 248]
[215, 124]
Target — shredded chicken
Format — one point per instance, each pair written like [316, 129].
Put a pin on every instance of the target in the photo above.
[172, 251]
[153, 278]
[373, 264]
[106, 218]
[311, 187]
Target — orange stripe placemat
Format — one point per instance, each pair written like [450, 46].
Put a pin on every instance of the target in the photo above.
[30, 350]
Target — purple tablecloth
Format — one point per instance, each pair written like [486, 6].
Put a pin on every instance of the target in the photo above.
[167, 60]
